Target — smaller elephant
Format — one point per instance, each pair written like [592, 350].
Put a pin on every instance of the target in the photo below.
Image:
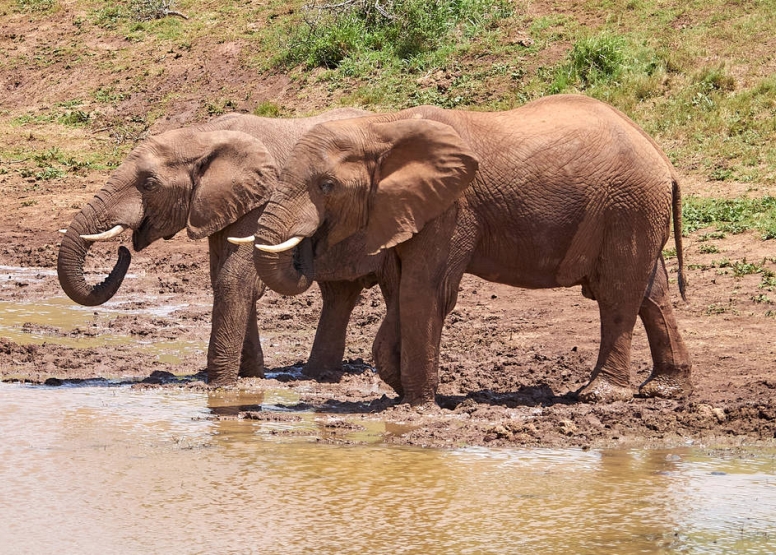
[214, 180]
[563, 191]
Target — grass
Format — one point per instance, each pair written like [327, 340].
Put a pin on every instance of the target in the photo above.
[402, 31]
[27, 6]
[730, 215]
[708, 249]
[696, 81]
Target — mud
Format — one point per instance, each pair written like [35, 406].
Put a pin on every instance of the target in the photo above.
[511, 359]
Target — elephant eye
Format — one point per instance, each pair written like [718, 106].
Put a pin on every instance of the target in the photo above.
[150, 184]
[326, 186]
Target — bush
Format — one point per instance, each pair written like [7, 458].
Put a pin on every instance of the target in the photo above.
[593, 60]
[401, 29]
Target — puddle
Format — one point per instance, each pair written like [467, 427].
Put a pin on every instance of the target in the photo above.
[121, 470]
[45, 321]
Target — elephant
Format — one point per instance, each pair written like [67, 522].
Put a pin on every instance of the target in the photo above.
[563, 191]
[213, 179]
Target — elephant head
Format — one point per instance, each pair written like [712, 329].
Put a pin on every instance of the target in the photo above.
[202, 180]
[367, 183]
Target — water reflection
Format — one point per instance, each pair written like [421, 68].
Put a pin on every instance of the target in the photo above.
[116, 470]
[52, 320]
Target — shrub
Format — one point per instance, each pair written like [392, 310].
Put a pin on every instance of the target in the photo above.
[401, 29]
[267, 109]
[593, 60]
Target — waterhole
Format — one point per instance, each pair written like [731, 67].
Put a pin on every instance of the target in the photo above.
[52, 321]
[122, 470]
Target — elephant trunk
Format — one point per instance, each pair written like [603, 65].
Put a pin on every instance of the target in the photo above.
[72, 255]
[289, 272]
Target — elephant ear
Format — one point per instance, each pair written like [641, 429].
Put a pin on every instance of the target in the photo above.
[424, 170]
[236, 175]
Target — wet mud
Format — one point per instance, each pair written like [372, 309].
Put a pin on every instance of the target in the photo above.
[511, 359]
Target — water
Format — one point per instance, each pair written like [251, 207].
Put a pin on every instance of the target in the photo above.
[118, 470]
[53, 318]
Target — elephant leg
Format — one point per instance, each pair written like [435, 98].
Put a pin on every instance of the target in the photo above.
[252, 357]
[386, 349]
[671, 370]
[235, 290]
[339, 299]
[618, 285]
[432, 265]
[611, 377]
[230, 320]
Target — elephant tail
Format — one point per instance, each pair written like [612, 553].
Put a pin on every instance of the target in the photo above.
[677, 214]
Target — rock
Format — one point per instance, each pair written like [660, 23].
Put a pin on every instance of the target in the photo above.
[719, 414]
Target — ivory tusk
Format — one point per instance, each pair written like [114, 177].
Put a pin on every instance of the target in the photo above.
[105, 235]
[241, 240]
[282, 247]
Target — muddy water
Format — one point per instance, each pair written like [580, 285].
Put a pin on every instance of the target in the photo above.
[53, 318]
[119, 470]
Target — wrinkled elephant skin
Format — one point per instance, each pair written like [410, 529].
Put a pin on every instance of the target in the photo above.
[561, 192]
[213, 180]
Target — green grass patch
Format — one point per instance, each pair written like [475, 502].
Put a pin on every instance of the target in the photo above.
[730, 215]
[708, 249]
[329, 34]
[75, 118]
[267, 109]
[743, 268]
[592, 61]
[35, 5]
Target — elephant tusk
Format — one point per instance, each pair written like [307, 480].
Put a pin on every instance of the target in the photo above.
[105, 235]
[282, 247]
[241, 240]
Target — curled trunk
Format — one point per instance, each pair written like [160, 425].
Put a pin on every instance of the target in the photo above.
[70, 266]
[289, 272]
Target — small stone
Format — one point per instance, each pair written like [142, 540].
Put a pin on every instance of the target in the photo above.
[720, 415]
[567, 427]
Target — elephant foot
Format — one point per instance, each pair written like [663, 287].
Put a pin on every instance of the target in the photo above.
[315, 370]
[221, 380]
[251, 371]
[420, 400]
[668, 385]
[602, 390]
[392, 378]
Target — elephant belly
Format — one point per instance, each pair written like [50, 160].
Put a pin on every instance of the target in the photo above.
[524, 267]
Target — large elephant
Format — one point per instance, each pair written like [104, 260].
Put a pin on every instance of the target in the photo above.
[563, 191]
[214, 180]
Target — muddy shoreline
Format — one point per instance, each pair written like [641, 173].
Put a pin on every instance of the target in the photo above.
[510, 364]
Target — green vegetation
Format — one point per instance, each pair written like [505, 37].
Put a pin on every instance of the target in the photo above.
[593, 60]
[35, 5]
[697, 76]
[267, 109]
[730, 215]
[708, 249]
[350, 33]
[741, 268]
